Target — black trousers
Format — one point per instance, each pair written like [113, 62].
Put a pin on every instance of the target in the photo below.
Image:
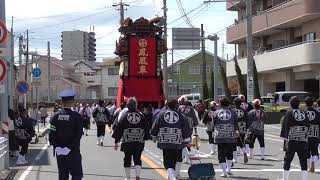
[24, 146]
[211, 139]
[240, 141]
[225, 152]
[313, 148]
[301, 148]
[70, 164]
[101, 130]
[128, 154]
[43, 120]
[260, 139]
[13, 146]
[171, 157]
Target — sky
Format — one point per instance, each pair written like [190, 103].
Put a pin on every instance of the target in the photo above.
[46, 19]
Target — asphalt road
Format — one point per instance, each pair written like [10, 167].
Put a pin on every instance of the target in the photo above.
[103, 163]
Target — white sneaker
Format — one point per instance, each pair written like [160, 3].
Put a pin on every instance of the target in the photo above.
[21, 160]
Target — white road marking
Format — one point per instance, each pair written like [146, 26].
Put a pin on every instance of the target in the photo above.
[271, 135]
[255, 170]
[25, 174]
[278, 140]
[273, 127]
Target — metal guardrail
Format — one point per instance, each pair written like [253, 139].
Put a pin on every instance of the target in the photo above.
[3, 152]
[3, 146]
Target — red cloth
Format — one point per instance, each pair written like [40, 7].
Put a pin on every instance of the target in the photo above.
[146, 90]
[143, 57]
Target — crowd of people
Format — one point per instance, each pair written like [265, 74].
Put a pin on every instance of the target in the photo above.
[232, 127]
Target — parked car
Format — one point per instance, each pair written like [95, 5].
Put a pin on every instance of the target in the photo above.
[193, 98]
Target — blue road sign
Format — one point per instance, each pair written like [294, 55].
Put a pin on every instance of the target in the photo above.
[22, 87]
[36, 72]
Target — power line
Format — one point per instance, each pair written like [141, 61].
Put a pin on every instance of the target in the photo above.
[183, 13]
[186, 14]
[65, 22]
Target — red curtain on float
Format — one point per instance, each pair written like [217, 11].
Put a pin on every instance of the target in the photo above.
[120, 93]
[146, 90]
[142, 58]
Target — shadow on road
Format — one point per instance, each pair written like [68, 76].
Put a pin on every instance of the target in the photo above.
[85, 174]
[30, 156]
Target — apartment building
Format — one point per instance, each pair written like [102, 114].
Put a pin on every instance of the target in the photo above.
[110, 78]
[78, 45]
[286, 43]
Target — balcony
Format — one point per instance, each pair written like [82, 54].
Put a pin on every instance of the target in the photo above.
[234, 5]
[285, 15]
[300, 57]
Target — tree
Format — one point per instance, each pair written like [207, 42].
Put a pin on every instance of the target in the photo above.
[205, 91]
[211, 90]
[256, 90]
[241, 81]
[224, 79]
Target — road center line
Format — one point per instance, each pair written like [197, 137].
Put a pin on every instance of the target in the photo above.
[153, 166]
[26, 172]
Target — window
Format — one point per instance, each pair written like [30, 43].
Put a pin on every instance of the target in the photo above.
[113, 71]
[176, 69]
[185, 91]
[194, 70]
[310, 37]
[112, 91]
[89, 74]
[208, 69]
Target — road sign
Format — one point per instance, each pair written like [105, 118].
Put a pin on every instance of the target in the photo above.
[3, 33]
[3, 70]
[186, 38]
[22, 87]
[250, 89]
[36, 72]
[3, 52]
[36, 82]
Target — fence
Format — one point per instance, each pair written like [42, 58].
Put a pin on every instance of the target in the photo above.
[3, 152]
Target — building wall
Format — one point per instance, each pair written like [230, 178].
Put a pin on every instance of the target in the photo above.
[109, 81]
[186, 82]
[312, 26]
[78, 45]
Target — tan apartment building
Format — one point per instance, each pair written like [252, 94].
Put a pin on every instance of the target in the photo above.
[286, 43]
[110, 78]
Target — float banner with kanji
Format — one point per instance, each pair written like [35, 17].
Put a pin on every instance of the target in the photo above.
[142, 57]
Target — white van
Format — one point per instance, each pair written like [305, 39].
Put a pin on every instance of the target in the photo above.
[193, 98]
[282, 98]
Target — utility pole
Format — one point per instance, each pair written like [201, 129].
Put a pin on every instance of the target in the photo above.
[12, 80]
[222, 50]
[204, 63]
[165, 55]
[249, 51]
[215, 71]
[49, 73]
[215, 38]
[4, 100]
[20, 50]
[31, 80]
[26, 69]
[121, 9]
